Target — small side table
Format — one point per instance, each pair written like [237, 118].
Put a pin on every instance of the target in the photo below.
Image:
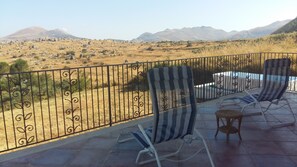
[230, 116]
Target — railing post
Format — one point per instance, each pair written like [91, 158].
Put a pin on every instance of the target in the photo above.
[260, 69]
[204, 80]
[109, 97]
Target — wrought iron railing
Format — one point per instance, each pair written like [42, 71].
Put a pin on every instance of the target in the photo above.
[39, 106]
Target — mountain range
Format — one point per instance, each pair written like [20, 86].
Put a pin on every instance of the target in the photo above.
[289, 27]
[35, 33]
[207, 33]
[203, 33]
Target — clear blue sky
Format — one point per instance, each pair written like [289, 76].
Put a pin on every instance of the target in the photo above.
[127, 19]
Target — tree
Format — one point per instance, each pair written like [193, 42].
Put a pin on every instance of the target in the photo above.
[4, 67]
[19, 65]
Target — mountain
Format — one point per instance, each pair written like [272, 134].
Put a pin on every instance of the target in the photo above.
[35, 33]
[207, 33]
[260, 31]
[289, 27]
[184, 34]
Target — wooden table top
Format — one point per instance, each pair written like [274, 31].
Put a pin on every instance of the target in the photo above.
[228, 114]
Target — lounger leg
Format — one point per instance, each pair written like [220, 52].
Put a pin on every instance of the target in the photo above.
[140, 153]
[119, 140]
[151, 147]
[291, 111]
[206, 147]
[160, 157]
[124, 140]
[288, 123]
[157, 158]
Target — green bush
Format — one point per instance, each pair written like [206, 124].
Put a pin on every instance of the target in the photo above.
[19, 65]
[76, 84]
[139, 81]
[4, 67]
[36, 87]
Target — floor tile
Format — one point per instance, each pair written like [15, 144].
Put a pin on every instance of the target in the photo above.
[54, 157]
[88, 158]
[222, 160]
[272, 161]
[262, 147]
[75, 145]
[294, 159]
[227, 148]
[14, 164]
[100, 143]
[121, 159]
[289, 148]
[282, 135]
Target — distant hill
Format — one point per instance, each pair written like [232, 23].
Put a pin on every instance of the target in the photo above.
[208, 33]
[259, 31]
[289, 27]
[185, 34]
[35, 33]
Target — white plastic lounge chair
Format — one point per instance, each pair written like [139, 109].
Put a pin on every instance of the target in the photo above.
[174, 107]
[275, 83]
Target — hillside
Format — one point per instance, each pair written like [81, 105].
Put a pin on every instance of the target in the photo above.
[289, 27]
[35, 33]
[259, 31]
[185, 34]
[49, 54]
[206, 33]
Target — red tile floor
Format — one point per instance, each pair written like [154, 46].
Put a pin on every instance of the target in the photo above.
[261, 146]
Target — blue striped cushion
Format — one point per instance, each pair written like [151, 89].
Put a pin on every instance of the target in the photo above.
[173, 123]
[249, 99]
[246, 99]
[140, 138]
[174, 103]
[276, 79]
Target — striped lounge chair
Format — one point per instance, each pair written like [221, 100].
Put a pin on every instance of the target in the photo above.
[174, 107]
[275, 82]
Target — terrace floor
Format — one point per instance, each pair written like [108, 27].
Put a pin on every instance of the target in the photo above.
[260, 146]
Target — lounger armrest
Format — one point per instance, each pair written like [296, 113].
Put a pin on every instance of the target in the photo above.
[146, 138]
[250, 95]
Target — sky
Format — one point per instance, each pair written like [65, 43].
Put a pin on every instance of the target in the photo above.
[127, 19]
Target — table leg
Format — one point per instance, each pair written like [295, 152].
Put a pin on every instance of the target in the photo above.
[229, 125]
[218, 120]
[239, 125]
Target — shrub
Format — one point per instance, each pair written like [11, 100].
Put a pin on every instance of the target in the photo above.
[150, 49]
[39, 86]
[189, 44]
[4, 67]
[70, 52]
[139, 81]
[19, 65]
[36, 57]
[84, 50]
[76, 84]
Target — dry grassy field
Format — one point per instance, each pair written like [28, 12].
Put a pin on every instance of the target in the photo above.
[55, 116]
[59, 54]
[49, 119]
